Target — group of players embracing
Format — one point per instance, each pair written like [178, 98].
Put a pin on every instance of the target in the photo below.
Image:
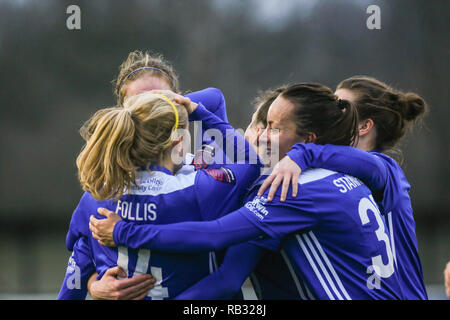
[332, 219]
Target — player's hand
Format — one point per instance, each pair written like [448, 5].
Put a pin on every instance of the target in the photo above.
[102, 229]
[447, 279]
[111, 288]
[184, 101]
[286, 171]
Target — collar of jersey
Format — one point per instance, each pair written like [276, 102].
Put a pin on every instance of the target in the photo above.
[155, 167]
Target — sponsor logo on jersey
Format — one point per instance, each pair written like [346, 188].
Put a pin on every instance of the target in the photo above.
[203, 157]
[257, 206]
[222, 174]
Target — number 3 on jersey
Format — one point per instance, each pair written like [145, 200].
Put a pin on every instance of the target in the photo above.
[377, 267]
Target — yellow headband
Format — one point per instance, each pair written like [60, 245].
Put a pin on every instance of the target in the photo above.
[175, 127]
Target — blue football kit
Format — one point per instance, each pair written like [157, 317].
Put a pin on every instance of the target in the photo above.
[391, 191]
[273, 276]
[335, 240]
[159, 198]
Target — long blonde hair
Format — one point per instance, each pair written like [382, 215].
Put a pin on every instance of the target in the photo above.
[120, 140]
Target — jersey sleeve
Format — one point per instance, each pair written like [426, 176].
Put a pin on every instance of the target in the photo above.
[257, 218]
[227, 280]
[278, 219]
[358, 163]
[213, 99]
[396, 182]
[187, 236]
[79, 223]
[220, 188]
[79, 269]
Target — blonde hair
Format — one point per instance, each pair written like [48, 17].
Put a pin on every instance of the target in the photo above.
[120, 140]
[139, 63]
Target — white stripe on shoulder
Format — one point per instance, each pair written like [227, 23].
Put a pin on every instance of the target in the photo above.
[157, 182]
[311, 175]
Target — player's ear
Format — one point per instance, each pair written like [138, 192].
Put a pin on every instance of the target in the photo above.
[365, 126]
[311, 137]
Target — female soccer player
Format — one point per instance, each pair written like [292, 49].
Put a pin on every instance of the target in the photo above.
[336, 242]
[143, 135]
[142, 72]
[385, 115]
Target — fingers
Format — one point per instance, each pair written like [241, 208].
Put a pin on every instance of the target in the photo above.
[265, 185]
[135, 288]
[99, 233]
[116, 272]
[136, 281]
[285, 187]
[274, 187]
[139, 291]
[295, 185]
[105, 212]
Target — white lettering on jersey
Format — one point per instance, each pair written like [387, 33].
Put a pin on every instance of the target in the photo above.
[346, 183]
[257, 206]
[138, 212]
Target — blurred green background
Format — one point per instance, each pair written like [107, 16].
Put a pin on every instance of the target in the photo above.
[53, 79]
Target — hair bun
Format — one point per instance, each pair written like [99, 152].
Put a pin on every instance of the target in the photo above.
[413, 106]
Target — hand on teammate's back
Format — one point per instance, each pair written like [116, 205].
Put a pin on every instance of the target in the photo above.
[102, 229]
[109, 287]
[286, 171]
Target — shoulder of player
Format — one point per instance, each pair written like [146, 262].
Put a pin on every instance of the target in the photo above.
[392, 166]
[315, 175]
[216, 92]
[217, 173]
[158, 182]
[387, 160]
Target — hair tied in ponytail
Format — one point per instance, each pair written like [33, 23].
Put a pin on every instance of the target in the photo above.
[342, 104]
[128, 110]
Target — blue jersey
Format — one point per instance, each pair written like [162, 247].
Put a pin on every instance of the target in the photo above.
[391, 190]
[214, 101]
[336, 243]
[160, 197]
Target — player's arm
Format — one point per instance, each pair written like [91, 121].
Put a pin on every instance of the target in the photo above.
[177, 237]
[369, 168]
[79, 269]
[234, 146]
[227, 280]
[233, 177]
[109, 287]
[257, 218]
[213, 100]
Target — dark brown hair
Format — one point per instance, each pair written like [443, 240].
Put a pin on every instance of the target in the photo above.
[392, 111]
[318, 111]
[263, 101]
